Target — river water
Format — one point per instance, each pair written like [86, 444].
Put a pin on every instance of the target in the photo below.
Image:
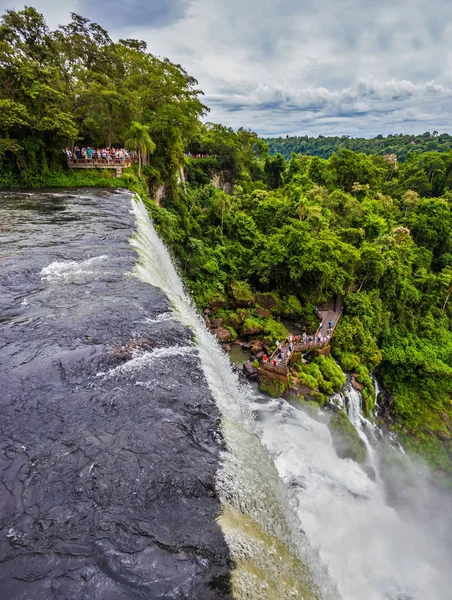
[134, 465]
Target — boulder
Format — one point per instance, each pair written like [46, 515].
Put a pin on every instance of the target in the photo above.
[255, 348]
[223, 334]
[355, 383]
[233, 321]
[267, 300]
[250, 327]
[270, 384]
[249, 370]
[241, 294]
[242, 315]
[207, 311]
[263, 312]
[216, 303]
[227, 347]
[216, 323]
[260, 355]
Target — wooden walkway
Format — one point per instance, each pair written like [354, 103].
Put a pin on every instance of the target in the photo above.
[118, 164]
[281, 365]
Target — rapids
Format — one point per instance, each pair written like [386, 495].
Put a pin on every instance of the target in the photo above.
[134, 465]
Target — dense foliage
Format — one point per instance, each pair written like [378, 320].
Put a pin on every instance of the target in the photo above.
[324, 146]
[75, 84]
[248, 229]
[375, 231]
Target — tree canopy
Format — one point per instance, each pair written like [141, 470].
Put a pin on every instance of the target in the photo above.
[75, 85]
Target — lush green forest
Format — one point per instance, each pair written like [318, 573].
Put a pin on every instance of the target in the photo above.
[378, 232]
[401, 145]
[75, 84]
[247, 226]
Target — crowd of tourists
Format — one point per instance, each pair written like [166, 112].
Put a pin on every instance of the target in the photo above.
[108, 154]
[284, 349]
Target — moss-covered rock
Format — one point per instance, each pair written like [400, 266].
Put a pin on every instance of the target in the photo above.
[297, 358]
[311, 408]
[251, 326]
[319, 398]
[241, 294]
[269, 300]
[271, 385]
[232, 333]
[233, 321]
[243, 314]
[217, 300]
[346, 440]
[273, 331]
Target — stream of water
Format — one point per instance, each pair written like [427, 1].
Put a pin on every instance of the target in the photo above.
[134, 464]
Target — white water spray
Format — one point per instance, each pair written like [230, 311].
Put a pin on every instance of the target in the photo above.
[248, 482]
[371, 552]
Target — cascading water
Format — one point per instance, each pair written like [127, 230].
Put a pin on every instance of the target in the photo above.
[371, 551]
[113, 417]
[257, 520]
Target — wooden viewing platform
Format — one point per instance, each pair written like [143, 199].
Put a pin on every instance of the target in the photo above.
[282, 364]
[118, 164]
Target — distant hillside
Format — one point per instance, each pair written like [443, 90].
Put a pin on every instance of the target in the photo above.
[324, 147]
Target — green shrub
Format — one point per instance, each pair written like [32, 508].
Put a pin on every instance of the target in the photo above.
[349, 362]
[251, 326]
[274, 330]
[307, 379]
[331, 373]
[241, 293]
[291, 307]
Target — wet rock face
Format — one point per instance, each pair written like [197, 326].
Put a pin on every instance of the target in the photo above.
[346, 440]
[110, 438]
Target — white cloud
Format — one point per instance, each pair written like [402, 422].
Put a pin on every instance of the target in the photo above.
[316, 66]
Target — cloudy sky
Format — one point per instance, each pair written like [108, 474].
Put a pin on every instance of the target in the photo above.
[330, 67]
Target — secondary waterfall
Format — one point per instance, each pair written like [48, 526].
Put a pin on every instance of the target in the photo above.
[372, 551]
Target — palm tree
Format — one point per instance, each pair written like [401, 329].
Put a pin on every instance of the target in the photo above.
[138, 138]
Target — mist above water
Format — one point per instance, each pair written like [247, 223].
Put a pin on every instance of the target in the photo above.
[124, 422]
[383, 539]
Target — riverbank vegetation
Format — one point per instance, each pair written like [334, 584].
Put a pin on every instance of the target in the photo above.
[256, 238]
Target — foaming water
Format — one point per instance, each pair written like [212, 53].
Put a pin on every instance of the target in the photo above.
[248, 483]
[70, 271]
[142, 360]
[373, 551]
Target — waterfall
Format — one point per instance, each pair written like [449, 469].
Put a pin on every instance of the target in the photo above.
[258, 522]
[289, 501]
[364, 427]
